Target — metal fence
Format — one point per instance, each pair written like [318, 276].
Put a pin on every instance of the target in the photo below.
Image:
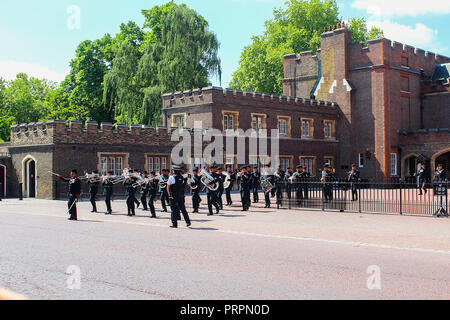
[397, 197]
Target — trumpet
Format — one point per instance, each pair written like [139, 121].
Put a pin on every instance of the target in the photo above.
[190, 181]
[207, 179]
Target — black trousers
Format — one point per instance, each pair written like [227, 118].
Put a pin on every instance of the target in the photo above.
[228, 195]
[151, 203]
[92, 199]
[72, 206]
[178, 206]
[219, 199]
[108, 203]
[196, 201]
[267, 198]
[256, 194]
[164, 200]
[279, 194]
[245, 198]
[328, 192]
[212, 201]
[144, 201]
[130, 205]
[289, 191]
[354, 191]
[302, 192]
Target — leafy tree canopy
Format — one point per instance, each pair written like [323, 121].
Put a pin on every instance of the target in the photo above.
[296, 27]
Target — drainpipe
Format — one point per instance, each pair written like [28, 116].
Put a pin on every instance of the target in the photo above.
[422, 110]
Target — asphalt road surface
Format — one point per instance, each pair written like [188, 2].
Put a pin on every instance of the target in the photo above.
[263, 254]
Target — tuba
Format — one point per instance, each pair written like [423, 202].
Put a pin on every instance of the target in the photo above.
[208, 179]
[227, 181]
[162, 181]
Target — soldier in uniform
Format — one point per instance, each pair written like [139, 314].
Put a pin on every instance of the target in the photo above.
[212, 195]
[130, 192]
[255, 183]
[176, 186]
[93, 182]
[195, 190]
[288, 176]
[108, 191]
[163, 191]
[73, 194]
[421, 183]
[221, 178]
[245, 186]
[353, 178]
[327, 183]
[269, 177]
[230, 188]
[440, 175]
[144, 192]
[152, 188]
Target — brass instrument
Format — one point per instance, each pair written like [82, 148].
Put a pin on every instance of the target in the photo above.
[162, 181]
[190, 180]
[207, 179]
[227, 181]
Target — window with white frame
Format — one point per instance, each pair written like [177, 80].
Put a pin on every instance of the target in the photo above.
[328, 128]
[361, 160]
[157, 163]
[228, 122]
[282, 125]
[285, 163]
[258, 122]
[112, 163]
[393, 164]
[307, 128]
[309, 164]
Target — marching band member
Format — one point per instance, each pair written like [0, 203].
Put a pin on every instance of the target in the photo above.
[93, 181]
[421, 183]
[152, 187]
[163, 189]
[195, 190]
[327, 176]
[353, 178]
[144, 191]
[230, 188]
[278, 177]
[108, 191]
[130, 192]
[175, 189]
[212, 195]
[269, 177]
[73, 194]
[288, 177]
[255, 183]
[221, 179]
[245, 188]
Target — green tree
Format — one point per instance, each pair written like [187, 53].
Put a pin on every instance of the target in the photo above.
[360, 33]
[176, 52]
[294, 28]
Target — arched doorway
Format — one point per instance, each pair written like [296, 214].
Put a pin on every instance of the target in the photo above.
[2, 181]
[29, 177]
[410, 166]
[444, 159]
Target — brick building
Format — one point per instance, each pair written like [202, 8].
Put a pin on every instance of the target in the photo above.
[384, 107]
[394, 100]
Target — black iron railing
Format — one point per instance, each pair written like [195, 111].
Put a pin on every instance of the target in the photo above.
[396, 197]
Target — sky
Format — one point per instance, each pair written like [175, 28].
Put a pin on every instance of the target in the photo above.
[40, 37]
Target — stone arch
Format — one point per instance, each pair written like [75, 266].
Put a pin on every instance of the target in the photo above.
[29, 176]
[405, 166]
[435, 158]
[3, 180]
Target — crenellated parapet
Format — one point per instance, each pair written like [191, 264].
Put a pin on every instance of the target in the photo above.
[57, 132]
[218, 95]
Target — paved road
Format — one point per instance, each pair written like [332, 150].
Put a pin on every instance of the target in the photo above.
[264, 254]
